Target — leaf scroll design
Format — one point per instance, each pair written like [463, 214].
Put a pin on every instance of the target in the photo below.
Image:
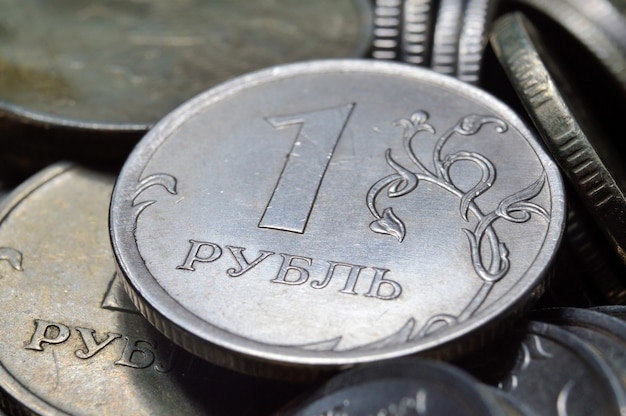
[167, 182]
[515, 208]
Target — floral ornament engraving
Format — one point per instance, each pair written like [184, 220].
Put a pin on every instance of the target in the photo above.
[13, 257]
[516, 208]
[168, 182]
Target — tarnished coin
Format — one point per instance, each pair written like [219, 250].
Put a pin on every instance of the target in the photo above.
[328, 213]
[556, 373]
[584, 158]
[71, 341]
[122, 65]
[404, 387]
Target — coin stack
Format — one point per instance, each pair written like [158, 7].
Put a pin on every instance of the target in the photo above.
[339, 207]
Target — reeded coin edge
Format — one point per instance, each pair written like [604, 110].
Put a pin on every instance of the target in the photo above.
[521, 58]
[204, 339]
[586, 33]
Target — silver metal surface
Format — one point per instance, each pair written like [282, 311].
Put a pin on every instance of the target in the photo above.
[473, 38]
[558, 374]
[328, 213]
[417, 31]
[401, 388]
[71, 341]
[604, 333]
[122, 65]
[446, 37]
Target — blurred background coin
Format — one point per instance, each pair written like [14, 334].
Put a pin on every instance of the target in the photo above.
[602, 332]
[71, 341]
[584, 154]
[590, 33]
[322, 214]
[387, 29]
[417, 31]
[99, 70]
[556, 373]
[401, 387]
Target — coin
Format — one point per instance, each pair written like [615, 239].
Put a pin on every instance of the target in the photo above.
[327, 213]
[592, 37]
[607, 17]
[604, 333]
[71, 341]
[446, 37]
[417, 31]
[473, 37]
[387, 29]
[593, 255]
[510, 404]
[123, 65]
[577, 153]
[558, 374]
[401, 387]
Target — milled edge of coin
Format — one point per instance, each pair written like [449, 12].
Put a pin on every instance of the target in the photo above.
[446, 36]
[600, 267]
[589, 355]
[477, 19]
[521, 58]
[15, 388]
[387, 29]
[411, 369]
[587, 33]
[242, 354]
[417, 31]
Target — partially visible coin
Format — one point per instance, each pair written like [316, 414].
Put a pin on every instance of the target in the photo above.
[417, 31]
[446, 36]
[318, 215]
[511, 405]
[606, 16]
[519, 50]
[558, 374]
[404, 387]
[122, 65]
[604, 333]
[598, 264]
[473, 37]
[71, 342]
[387, 29]
[593, 37]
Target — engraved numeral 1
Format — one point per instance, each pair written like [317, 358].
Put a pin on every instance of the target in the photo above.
[294, 195]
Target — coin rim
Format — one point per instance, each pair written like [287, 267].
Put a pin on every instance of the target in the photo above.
[20, 114]
[235, 351]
